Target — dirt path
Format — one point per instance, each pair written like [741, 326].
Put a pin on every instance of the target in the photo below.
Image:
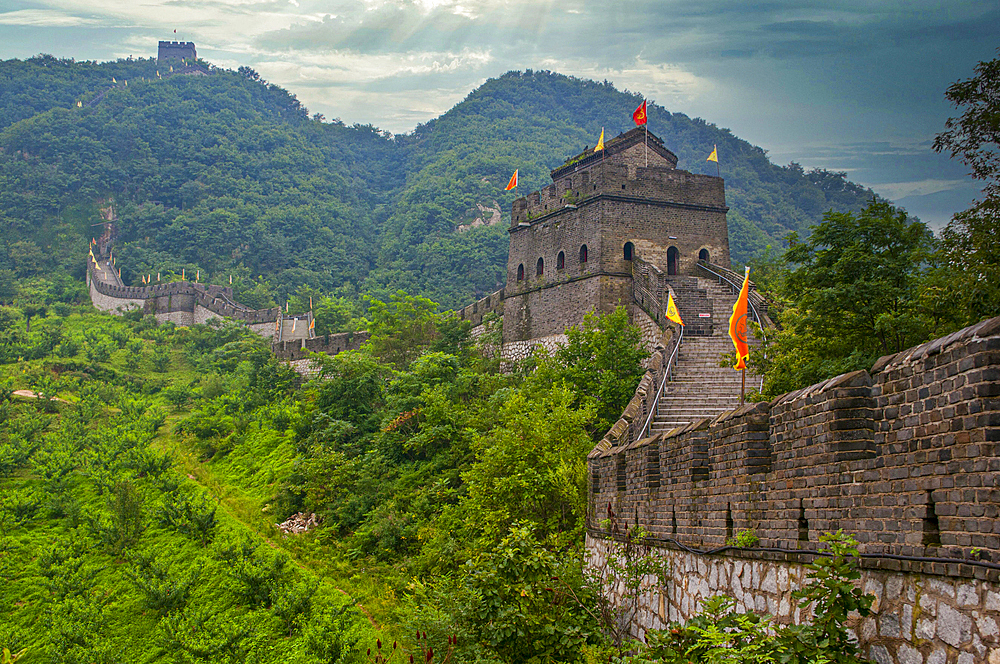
[28, 394]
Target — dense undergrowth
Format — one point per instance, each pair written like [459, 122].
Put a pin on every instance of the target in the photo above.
[143, 471]
[142, 475]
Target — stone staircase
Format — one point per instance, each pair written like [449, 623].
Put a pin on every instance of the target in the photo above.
[699, 386]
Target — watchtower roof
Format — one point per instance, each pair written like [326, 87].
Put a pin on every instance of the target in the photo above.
[614, 147]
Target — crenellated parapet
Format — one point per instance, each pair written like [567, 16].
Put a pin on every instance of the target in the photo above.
[904, 457]
[328, 344]
[491, 304]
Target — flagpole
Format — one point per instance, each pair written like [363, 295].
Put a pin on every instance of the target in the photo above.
[743, 386]
[646, 127]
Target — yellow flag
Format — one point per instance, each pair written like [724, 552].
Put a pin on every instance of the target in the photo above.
[672, 313]
[79, 104]
[600, 141]
[113, 80]
[715, 154]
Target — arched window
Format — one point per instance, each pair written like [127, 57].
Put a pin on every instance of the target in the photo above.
[703, 256]
[560, 261]
[540, 268]
[520, 272]
[672, 256]
[583, 254]
[629, 250]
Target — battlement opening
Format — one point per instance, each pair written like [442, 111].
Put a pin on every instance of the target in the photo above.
[931, 532]
[653, 467]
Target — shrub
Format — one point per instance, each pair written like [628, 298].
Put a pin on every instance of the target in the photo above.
[720, 634]
[294, 603]
[161, 590]
[745, 539]
[126, 524]
[257, 574]
[195, 521]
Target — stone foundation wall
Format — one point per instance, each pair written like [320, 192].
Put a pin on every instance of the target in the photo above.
[515, 351]
[905, 458]
[917, 618]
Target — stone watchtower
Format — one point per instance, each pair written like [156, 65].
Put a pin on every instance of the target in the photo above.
[572, 244]
[172, 50]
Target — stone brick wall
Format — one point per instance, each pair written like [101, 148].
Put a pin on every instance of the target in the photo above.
[474, 313]
[330, 344]
[182, 302]
[917, 619]
[904, 458]
[606, 203]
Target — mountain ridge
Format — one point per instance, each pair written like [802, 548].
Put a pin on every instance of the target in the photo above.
[228, 174]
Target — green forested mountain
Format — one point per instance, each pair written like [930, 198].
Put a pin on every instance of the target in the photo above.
[229, 175]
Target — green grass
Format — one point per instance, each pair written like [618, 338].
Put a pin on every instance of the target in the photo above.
[96, 612]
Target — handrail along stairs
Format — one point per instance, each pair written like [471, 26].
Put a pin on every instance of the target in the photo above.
[663, 383]
[760, 323]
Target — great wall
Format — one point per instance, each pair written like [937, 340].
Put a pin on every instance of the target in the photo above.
[903, 457]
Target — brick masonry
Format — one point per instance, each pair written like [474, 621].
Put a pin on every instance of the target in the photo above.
[573, 244]
[186, 303]
[903, 457]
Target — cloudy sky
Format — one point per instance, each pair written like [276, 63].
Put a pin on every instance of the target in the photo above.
[847, 85]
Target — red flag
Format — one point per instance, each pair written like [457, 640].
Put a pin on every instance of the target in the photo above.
[640, 114]
[513, 182]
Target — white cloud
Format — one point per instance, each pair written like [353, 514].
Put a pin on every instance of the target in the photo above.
[898, 190]
[337, 68]
[656, 80]
[46, 18]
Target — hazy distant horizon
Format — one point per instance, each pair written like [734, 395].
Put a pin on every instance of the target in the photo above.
[846, 86]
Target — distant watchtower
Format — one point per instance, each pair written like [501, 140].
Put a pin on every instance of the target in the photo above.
[572, 243]
[171, 50]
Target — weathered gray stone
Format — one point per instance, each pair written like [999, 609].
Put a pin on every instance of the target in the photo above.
[879, 653]
[940, 587]
[770, 582]
[967, 595]
[928, 605]
[966, 658]
[953, 628]
[873, 586]
[888, 626]
[987, 627]
[906, 654]
[868, 631]
[938, 656]
[992, 601]
[893, 588]
[925, 628]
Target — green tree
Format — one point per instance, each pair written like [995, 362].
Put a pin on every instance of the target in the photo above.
[852, 296]
[602, 360]
[401, 328]
[970, 247]
[531, 468]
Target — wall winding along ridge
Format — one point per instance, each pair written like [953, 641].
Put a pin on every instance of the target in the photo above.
[904, 458]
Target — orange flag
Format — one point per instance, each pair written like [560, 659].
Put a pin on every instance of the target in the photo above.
[639, 116]
[738, 324]
[672, 313]
[513, 181]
